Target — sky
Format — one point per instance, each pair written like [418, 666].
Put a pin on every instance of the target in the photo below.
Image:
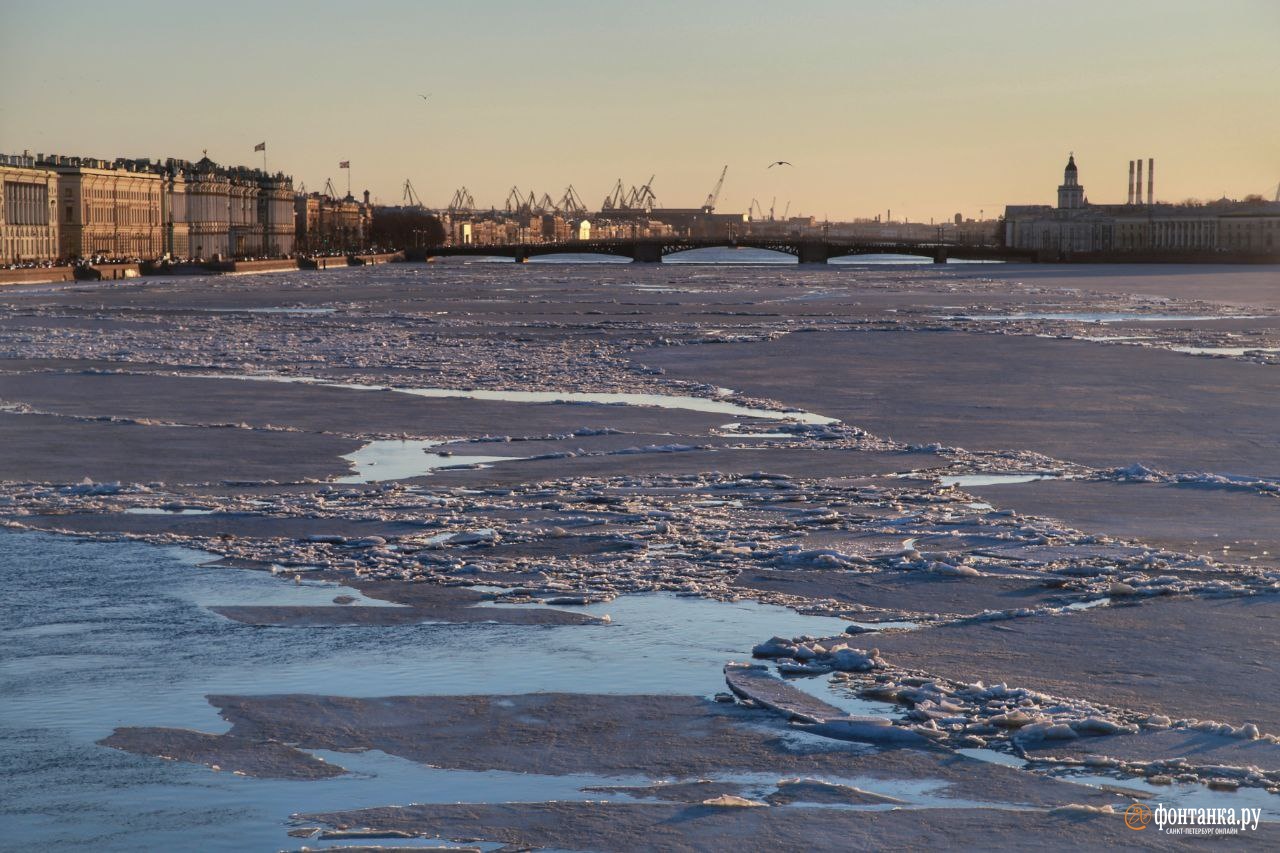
[924, 108]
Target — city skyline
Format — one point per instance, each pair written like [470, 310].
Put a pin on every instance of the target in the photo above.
[925, 110]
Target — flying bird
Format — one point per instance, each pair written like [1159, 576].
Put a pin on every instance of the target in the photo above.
[779, 163]
[425, 97]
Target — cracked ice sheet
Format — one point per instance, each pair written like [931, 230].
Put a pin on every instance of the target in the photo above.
[1246, 287]
[542, 309]
[627, 827]
[1205, 659]
[1189, 518]
[1199, 748]
[656, 737]
[797, 462]
[238, 524]
[1104, 406]
[338, 410]
[44, 448]
[912, 592]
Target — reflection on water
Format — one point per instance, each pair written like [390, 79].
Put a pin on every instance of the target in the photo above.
[881, 260]
[159, 510]
[269, 310]
[1224, 351]
[608, 398]
[579, 258]
[729, 255]
[399, 460]
[966, 480]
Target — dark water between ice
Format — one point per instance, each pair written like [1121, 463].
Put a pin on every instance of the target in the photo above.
[99, 635]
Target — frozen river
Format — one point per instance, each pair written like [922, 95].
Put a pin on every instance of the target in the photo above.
[907, 489]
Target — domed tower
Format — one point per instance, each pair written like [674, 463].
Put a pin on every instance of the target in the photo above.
[1070, 194]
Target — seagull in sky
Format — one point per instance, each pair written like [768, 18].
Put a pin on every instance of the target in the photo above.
[779, 163]
[425, 97]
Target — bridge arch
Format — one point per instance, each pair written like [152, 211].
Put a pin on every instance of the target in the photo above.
[727, 253]
[585, 250]
[583, 257]
[883, 256]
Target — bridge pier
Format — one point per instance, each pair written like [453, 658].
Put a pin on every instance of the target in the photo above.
[647, 253]
[811, 253]
[940, 255]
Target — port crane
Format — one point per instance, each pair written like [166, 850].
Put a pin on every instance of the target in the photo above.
[643, 198]
[462, 202]
[637, 198]
[411, 197]
[533, 204]
[616, 198]
[709, 206]
[517, 203]
[571, 202]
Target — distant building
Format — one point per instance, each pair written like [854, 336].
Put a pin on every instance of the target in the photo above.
[1251, 228]
[634, 229]
[1070, 193]
[1073, 226]
[1076, 226]
[28, 211]
[231, 212]
[208, 208]
[327, 224]
[58, 207]
[306, 219]
[175, 225]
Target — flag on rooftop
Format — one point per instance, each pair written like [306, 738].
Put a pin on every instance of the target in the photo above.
[261, 146]
[345, 164]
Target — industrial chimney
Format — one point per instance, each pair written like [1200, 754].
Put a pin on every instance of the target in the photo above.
[1137, 198]
[1151, 181]
[1130, 201]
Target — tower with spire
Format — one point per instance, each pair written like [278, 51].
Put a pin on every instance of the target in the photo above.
[1070, 194]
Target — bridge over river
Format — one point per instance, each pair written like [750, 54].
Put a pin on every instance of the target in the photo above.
[652, 251]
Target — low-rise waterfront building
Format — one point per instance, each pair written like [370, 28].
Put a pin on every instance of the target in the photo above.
[327, 224]
[1225, 226]
[1252, 227]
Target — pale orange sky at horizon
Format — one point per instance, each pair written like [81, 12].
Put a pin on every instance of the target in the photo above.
[924, 108]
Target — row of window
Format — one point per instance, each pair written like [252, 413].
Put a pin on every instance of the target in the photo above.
[105, 214]
[26, 203]
[19, 248]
